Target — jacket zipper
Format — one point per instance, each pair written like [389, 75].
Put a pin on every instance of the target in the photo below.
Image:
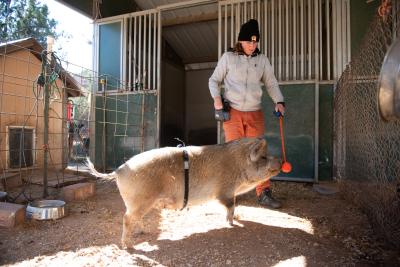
[247, 77]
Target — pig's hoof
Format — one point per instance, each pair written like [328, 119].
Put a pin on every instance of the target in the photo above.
[126, 244]
[230, 221]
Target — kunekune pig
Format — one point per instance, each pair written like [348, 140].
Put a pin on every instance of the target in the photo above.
[215, 172]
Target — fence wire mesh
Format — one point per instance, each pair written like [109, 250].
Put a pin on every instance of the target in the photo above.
[366, 147]
[74, 122]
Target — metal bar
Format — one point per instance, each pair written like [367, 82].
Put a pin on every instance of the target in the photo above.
[142, 123]
[225, 28]
[266, 26]
[158, 80]
[339, 39]
[219, 32]
[287, 39]
[273, 35]
[144, 51]
[309, 38]
[134, 63]
[302, 38]
[237, 22]
[47, 88]
[104, 130]
[319, 16]
[245, 9]
[251, 8]
[219, 133]
[232, 17]
[279, 40]
[348, 29]
[334, 39]
[149, 54]
[124, 33]
[140, 54]
[258, 11]
[239, 18]
[328, 39]
[343, 35]
[316, 99]
[185, 4]
[294, 40]
[154, 51]
[130, 54]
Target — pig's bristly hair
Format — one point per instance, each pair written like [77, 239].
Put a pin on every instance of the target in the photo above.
[94, 172]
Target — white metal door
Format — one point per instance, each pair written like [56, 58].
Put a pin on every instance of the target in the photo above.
[305, 40]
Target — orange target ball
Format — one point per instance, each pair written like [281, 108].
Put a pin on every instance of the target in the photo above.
[286, 167]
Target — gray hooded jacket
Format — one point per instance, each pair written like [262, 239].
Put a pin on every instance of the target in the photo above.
[243, 77]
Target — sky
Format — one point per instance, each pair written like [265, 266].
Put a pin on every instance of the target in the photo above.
[77, 49]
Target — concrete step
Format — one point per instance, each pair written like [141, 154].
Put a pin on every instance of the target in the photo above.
[79, 191]
[11, 214]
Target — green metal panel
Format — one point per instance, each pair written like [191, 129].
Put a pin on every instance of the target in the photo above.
[299, 129]
[110, 53]
[325, 132]
[127, 131]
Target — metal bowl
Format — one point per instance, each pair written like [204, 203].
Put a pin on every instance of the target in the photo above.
[46, 209]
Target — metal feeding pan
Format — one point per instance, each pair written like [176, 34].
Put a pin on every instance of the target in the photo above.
[389, 83]
[46, 209]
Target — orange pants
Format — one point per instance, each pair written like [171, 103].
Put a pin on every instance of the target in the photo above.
[246, 124]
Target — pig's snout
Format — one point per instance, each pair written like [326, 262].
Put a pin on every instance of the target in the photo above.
[275, 165]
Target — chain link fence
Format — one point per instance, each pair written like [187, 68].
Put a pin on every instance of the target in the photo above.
[366, 147]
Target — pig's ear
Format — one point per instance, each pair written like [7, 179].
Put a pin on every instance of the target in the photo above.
[257, 149]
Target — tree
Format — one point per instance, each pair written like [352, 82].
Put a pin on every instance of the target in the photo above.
[25, 18]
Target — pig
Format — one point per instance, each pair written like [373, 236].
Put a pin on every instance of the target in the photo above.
[219, 172]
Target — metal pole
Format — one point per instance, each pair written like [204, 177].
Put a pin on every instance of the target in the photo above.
[103, 138]
[50, 42]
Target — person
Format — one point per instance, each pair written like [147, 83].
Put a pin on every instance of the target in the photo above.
[242, 71]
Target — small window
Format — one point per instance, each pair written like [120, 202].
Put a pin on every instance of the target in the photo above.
[20, 144]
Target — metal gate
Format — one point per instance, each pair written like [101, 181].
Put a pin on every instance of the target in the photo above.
[306, 41]
[128, 55]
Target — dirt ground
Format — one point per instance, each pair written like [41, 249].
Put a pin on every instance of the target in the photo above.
[311, 229]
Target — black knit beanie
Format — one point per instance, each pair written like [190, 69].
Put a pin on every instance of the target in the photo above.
[249, 31]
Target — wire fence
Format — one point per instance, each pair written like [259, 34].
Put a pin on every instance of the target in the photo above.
[366, 147]
[50, 121]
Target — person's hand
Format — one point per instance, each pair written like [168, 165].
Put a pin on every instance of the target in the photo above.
[281, 108]
[218, 103]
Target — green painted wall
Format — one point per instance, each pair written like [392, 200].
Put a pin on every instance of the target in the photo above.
[299, 129]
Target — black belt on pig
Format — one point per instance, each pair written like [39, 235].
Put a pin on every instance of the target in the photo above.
[186, 167]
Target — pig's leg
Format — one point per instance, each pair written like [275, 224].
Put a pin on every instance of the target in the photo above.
[229, 203]
[132, 218]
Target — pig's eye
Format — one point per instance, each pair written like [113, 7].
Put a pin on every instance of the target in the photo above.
[263, 157]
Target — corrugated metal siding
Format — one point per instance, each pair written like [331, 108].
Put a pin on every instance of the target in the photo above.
[193, 42]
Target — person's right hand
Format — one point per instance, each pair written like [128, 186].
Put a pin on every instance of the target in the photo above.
[218, 103]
